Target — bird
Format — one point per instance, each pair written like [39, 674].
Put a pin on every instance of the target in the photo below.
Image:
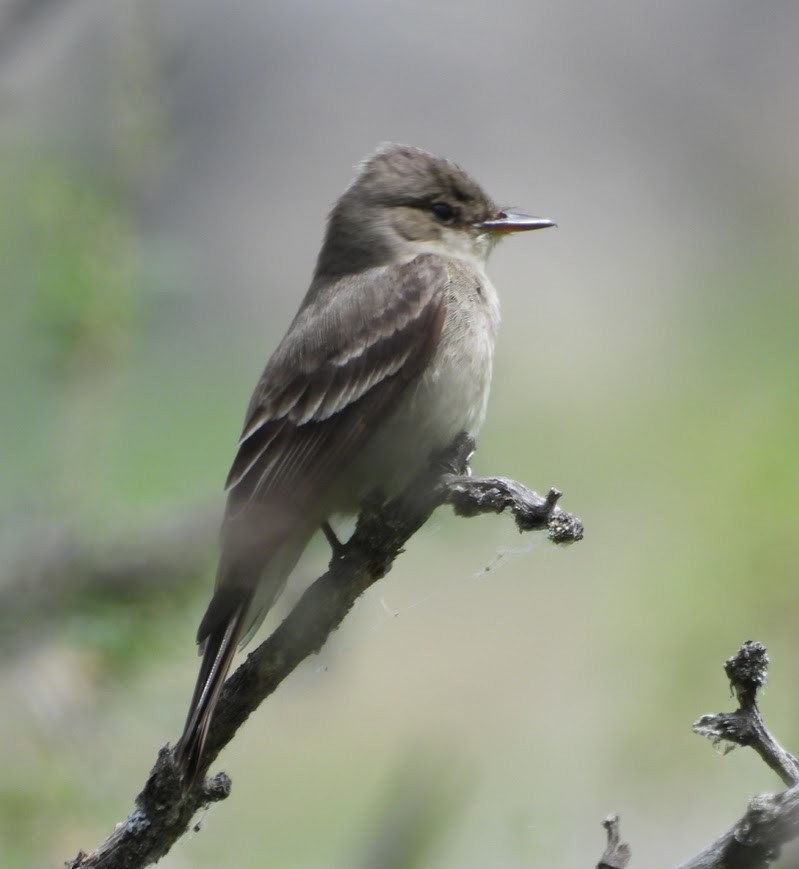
[387, 360]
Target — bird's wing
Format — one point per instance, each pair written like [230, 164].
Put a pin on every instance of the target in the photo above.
[337, 374]
[340, 370]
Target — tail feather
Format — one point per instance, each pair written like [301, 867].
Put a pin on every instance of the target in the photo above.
[217, 648]
[249, 579]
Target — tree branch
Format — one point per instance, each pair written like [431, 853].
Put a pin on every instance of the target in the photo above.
[748, 672]
[617, 853]
[771, 820]
[163, 812]
[755, 840]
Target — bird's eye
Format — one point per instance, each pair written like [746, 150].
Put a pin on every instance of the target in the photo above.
[443, 211]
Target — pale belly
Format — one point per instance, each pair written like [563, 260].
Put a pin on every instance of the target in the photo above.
[451, 396]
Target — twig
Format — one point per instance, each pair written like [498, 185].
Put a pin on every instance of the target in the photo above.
[163, 812]
[748, 671]
[617, 853]
[755, 840]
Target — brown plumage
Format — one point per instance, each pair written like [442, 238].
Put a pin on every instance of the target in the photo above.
[388, 358]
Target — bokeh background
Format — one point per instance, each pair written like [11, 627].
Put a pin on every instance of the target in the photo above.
[165, 170]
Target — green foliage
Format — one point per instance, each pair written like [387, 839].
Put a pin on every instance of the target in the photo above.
[71, 252]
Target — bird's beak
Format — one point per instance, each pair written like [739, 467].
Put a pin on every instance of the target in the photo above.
[514, 221]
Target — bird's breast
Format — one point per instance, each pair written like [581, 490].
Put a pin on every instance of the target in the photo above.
[451, 394]
[453, 391]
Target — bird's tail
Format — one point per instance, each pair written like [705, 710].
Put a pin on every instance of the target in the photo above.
[249, 579]
[218, 646]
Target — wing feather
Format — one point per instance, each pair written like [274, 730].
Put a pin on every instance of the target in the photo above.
[344, 365]
[302, 428]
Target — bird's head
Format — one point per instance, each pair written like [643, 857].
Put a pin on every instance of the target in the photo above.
[404, 202]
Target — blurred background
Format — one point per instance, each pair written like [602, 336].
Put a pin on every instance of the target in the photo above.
[165, 171]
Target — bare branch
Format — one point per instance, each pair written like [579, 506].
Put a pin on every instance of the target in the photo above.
[771, 821]
[754, 841]
[748, 671]
[617, 853]
[163, 811]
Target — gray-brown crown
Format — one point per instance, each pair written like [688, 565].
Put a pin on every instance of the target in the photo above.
[395, 177]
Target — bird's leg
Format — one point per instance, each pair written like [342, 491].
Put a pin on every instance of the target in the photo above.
[455, 458]
[335, 544]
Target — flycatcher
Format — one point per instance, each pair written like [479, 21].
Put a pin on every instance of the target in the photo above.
[388, 359]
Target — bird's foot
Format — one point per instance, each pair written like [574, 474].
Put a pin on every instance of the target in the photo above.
[335, 544]
[455, 458]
